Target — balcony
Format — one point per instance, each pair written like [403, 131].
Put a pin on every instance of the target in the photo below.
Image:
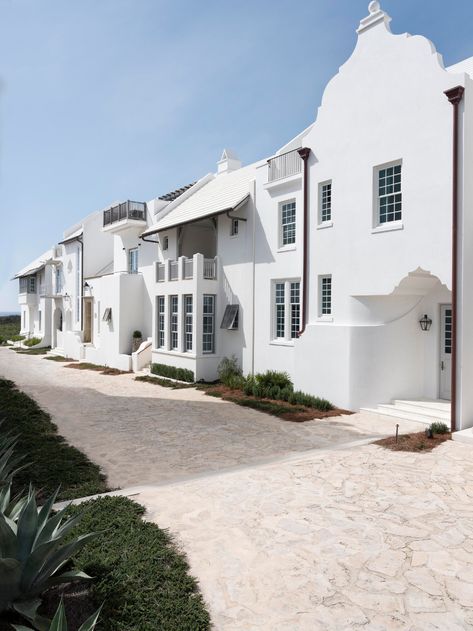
[284, 165]
[187, 269]
[124, 214]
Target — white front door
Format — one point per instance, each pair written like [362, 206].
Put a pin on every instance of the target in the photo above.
[445, 351]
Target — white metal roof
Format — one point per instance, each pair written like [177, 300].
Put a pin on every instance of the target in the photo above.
[35, 265]
[73, 235]
[466, 65]
[223, 192]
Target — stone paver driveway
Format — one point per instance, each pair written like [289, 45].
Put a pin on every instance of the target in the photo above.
[141, 433]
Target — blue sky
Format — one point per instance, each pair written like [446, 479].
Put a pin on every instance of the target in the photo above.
[102, 100]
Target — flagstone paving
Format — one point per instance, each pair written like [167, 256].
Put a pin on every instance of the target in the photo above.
[359, 538]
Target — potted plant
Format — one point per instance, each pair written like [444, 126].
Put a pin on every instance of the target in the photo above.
[136, 342]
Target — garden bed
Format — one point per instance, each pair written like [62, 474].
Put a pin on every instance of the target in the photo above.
[53, 461]
[416, 442]
[103, 370]
[60, 358]
[165, 383]
[287, 411]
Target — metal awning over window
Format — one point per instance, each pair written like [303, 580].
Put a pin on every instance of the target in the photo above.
[230, 317]
[107, 315]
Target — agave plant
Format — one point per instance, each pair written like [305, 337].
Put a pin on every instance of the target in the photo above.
[59, 622]
[11, 507]
[9, 463]
[33, 553]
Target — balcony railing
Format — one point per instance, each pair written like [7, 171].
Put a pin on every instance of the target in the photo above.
[125, 210]
[284, 165]
[185, 268]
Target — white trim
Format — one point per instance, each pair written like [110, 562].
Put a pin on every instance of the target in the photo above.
[324, 224]
[388, 227]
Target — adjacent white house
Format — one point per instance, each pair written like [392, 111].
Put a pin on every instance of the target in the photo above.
[343, 259]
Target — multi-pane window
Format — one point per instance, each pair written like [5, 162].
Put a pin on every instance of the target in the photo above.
[325, 202]
[161, 322]
[288, 223]
[287, 314]
[133, 261]
[174, 321]
[188, 324]
[208, 329]
[389, 194]
[234, 227]
[280, 309]
[325, 295]
[295, 309]
[448, 331]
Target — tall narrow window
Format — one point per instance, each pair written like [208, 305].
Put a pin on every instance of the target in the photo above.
[280, 309]
[208, 330]
[174, 321]
[288, 223]
[31, 284]
[325, 202]
[161, 322]
[325, 295]
[295, 309]
[234, 227]
[389, 194]
[188, 324]
[133, 261]
[58, 280]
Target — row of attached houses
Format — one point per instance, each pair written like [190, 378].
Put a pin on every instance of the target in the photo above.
[343, 259]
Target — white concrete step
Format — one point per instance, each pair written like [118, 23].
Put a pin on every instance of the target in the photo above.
[421, 411]
[434, 413]
[464, 436]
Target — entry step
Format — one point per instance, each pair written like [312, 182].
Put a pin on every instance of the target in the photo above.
[421, 410]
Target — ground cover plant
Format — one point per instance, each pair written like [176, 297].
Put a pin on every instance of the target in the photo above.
[59, 358]
[54, 462]
[103, 370]
[32, 351]
[141, 577]
[32, 341]
[181, 374]
[436, 434]
[166, 383]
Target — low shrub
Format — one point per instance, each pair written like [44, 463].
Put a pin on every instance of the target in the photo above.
[140, 575]
[137, 334]
[228, 369]
[439, 428]
[182, 374]
[32, 341]
[272, 378]
[165, 383]
[235, 382]
[17, 338]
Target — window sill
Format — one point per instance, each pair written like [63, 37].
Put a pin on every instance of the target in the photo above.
[325, 224]
[281, 343]
[388, 227]
[325, 318]
[287, 248]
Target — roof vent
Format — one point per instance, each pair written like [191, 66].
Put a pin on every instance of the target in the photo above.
[228, 162]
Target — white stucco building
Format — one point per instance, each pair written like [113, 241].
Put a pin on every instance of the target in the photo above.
[321, 260]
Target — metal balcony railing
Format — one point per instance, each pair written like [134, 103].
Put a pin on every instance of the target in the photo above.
[125, 210]
[284, 165]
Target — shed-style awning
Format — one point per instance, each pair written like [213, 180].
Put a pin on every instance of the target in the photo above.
[35, 265]
[224, 193]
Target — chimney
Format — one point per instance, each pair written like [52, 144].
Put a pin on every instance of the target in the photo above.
[228, 162]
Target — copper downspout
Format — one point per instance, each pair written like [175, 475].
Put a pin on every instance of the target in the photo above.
[455, 96]
[304, 153]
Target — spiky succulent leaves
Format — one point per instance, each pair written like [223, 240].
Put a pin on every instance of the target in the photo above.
[59, 622]
[11, 507]
[10, 464]
[10, 574]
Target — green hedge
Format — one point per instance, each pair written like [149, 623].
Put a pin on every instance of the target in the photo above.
[139, 573]
[182, 374]
[32, 341]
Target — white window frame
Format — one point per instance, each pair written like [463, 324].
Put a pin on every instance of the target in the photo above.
[174, 322]
[325, 312]
[395, 223]
[288, 312]
[133, 260]
[161, 321]
[209, 316]
[188, 323]
[324, 222]
[290, 245]
[165, 243]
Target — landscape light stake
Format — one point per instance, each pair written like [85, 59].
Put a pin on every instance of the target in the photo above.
[397, 431]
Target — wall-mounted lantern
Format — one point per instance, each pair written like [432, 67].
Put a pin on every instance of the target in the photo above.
[425, 323]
